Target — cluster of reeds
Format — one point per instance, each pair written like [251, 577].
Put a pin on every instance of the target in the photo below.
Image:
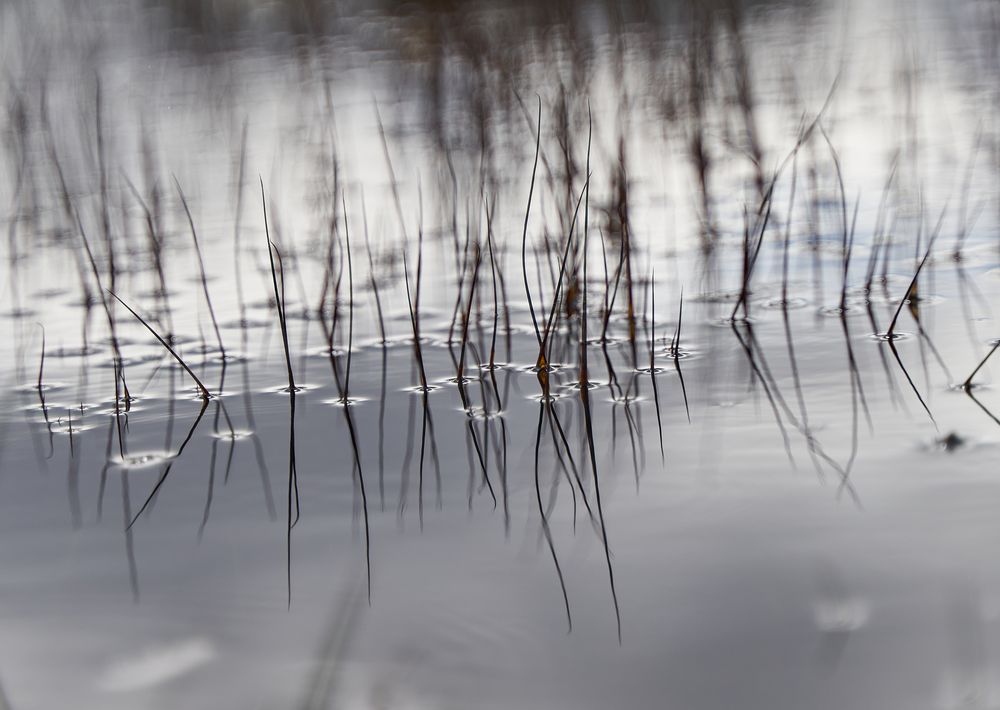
[580, 206]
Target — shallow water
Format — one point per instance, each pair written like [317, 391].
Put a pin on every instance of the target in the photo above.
[784, 510]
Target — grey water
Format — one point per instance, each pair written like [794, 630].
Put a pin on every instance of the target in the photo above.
[757, 244]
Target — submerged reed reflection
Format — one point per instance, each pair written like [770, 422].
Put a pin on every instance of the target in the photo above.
[728, 197]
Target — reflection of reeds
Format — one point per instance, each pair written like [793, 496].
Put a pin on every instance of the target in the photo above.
[710, 82]
[167, 469]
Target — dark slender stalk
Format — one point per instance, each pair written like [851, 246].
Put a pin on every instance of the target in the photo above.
[345, 396]
[279, 302]
[493, 273]
[524, 232]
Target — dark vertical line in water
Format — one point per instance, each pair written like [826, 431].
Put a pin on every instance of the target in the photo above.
[616, 395]
[857, 395]
[229, 459]
[404, 474]
[293, 495]
[761, 372]
[73, 478]
[103, 478]
[560, 468]
[544, 520]
[381, 428]
[633, 433]
[470, 488]
[258, 447]
[913, 386]
[214, 454]
[133, 570]
[436, 460]
[797, 386]
[890, 382]
[558, 428]
[492, 369]
[211, 488]
[420, 469]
